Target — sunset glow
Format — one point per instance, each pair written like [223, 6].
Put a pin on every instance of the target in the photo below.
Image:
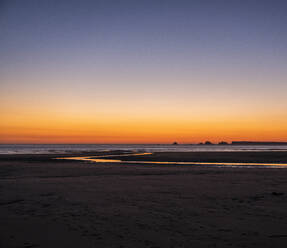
[71, 76]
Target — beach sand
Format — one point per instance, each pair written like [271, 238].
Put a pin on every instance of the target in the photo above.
[64, 203]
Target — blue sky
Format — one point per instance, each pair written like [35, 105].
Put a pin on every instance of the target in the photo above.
[172, 56]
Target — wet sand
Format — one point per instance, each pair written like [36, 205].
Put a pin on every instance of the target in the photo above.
[221, 157]
[63, 203]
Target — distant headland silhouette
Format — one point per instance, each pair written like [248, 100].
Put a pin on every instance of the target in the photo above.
[257, 143]
[244, 143]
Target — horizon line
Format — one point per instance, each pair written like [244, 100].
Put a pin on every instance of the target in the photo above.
[152, 143]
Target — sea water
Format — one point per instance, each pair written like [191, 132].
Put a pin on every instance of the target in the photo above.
[71, 148]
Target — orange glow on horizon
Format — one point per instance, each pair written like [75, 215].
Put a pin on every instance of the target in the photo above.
[108, 130]
[117, 119]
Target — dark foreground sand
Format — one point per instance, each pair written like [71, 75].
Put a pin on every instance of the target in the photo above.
[56, 203]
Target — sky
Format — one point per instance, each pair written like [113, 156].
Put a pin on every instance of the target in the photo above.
[116, 71]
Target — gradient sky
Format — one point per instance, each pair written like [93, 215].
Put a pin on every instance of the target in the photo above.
[142, 71]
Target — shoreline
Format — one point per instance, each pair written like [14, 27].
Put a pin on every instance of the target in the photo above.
[224, 159]
[194, 156]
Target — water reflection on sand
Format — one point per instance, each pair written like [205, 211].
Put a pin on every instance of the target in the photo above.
[107, 159]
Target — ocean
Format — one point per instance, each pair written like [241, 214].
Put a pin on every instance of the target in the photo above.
[70, 148]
